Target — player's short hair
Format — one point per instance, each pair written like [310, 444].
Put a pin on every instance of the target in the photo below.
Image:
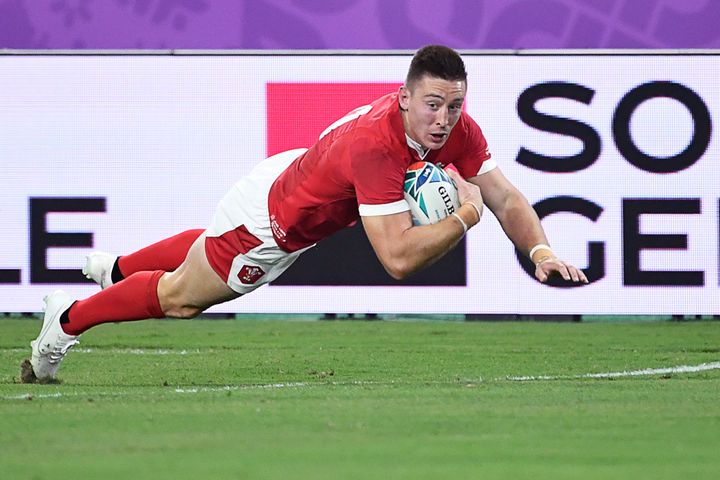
[436, 61]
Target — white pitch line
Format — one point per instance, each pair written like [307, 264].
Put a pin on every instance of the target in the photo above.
[125, 351]
[137, 351]
[224, 388]
[267, 386]
[230, 388]
[30, 396]
[634, 373]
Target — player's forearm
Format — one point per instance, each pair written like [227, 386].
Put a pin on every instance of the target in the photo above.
[419, 247]
[521, 224]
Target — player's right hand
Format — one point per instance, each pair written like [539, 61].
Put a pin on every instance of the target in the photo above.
[467, 192]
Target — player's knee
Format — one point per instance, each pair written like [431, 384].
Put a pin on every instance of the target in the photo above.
[182, 311]
[174, 300]
[177, 307]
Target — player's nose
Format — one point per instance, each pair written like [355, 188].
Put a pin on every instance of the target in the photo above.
[443, 117]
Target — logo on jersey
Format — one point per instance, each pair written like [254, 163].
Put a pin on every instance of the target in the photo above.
[277, 230]
[249, 274]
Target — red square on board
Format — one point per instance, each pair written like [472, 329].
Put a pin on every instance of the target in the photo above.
[297, 113]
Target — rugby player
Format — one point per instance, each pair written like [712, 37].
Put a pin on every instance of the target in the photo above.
[292, 200]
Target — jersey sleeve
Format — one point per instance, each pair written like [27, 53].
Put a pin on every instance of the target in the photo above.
[476, 158]
[378, 181]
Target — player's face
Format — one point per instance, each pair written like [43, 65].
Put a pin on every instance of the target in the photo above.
[431, 109]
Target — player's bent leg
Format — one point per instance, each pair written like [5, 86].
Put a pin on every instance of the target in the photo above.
[167, 255]
[194, 286]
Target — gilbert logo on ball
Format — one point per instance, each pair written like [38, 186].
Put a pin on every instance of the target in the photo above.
[430, 192]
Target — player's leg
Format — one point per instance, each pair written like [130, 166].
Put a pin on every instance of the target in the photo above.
[106, 269]
[237, 254]
[184, 293]
[193, 287]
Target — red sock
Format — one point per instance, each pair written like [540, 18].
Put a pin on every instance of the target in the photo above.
[165, 255]
[135, 298]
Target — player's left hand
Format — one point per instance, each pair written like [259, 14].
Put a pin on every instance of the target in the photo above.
[551, 265]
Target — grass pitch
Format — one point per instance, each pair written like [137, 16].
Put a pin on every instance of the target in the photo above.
[360, 400]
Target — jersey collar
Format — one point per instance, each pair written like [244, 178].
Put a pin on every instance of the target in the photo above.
[417, 147]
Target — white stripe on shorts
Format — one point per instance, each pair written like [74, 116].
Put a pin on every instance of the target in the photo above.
[246, 204]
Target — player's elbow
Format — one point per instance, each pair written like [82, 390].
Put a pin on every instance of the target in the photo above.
[396, 274]
[398, 269]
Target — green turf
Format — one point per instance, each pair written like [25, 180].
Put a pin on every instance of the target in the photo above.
[364, 400]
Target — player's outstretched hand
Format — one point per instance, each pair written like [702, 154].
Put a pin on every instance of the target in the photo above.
[553, 265]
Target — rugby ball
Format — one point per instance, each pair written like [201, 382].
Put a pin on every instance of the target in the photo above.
[430, 192]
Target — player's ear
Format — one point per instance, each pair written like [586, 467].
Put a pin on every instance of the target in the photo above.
[404, 97]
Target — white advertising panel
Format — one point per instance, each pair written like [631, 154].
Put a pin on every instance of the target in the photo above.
[617, 153]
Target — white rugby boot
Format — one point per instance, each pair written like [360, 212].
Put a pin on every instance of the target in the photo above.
[98, 268]
[50, 347]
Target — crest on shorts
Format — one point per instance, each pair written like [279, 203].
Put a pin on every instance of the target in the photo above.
[250, 274]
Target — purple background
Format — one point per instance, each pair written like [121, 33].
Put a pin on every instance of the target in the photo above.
[358, 24]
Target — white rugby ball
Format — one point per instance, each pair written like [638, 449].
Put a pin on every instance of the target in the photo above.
[430, 192]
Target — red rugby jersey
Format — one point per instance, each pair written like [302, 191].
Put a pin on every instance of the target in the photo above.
[357, 167]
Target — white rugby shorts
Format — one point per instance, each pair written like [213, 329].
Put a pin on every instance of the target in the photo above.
[239, 244]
